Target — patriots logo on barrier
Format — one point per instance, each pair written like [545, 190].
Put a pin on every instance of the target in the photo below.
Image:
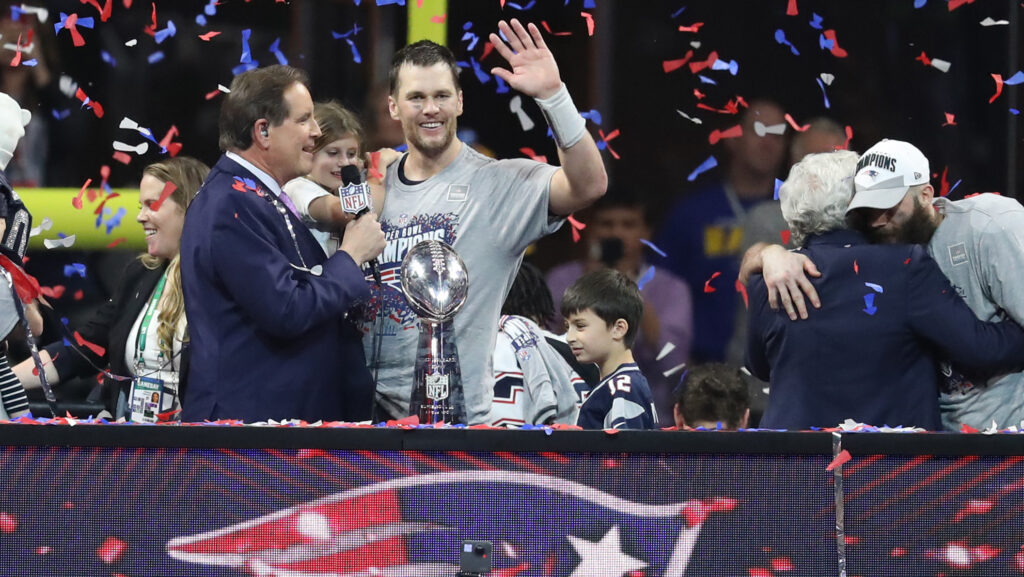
[355, 198]
[414, 526]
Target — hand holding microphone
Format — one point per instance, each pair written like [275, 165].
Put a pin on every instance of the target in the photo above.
[364, 240]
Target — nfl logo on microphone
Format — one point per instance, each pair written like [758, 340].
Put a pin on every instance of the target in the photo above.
[355, 198]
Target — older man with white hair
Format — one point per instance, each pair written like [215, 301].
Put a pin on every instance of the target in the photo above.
[869, 353]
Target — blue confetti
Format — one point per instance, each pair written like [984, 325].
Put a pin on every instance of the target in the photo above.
[245, 66]
[389, 2]
[355, 30]
[869, 304]
[780, 37]
[108, 58]
[1015, 79]
[523, 8]
[706, 80]
[74, 268]
[355, 51]
[875, 287]
[115, 221]
[1014, 111]
[155, 57]
[920, 3]
[646, 278]
[731, 66]
[166, 33]
[473, 39]
[589, 4]
[593, 116]
[823, 93]
[467, 25]
[826, 43]
[482, 76]
[30, 63]
[502, 86]
[246, 53]
[653, 247]
[61, 114]
[678, 12]
[705, 166]
[778, 185]
[276, 51]
[99, 217]
[954, 186]
[211, 7]
[83, 22]
[200, 20]
[816, 21]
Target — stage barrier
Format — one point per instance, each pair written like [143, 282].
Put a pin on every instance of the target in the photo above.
[207, 500]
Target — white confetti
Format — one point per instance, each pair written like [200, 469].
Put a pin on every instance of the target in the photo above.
[827, 78]
[941, 65]
[692, 119]
[66, 242]
[516, 107]
[990, 22]
[665, 350]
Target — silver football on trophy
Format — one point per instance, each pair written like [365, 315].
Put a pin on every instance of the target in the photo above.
[434, 280]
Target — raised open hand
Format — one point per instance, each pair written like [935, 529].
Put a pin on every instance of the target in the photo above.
[534, 71]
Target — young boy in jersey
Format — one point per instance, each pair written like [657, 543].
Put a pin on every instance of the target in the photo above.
[602, 311]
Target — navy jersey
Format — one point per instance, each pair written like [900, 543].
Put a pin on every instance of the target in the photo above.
[622, 400]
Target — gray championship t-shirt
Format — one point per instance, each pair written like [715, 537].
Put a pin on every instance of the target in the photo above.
[489, 211]
[980, 248]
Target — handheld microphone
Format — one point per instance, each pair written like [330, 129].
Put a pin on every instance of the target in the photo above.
[356, 199]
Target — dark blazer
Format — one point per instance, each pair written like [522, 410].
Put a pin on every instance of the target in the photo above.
[109, 327]
[870, 352]
[269, 340]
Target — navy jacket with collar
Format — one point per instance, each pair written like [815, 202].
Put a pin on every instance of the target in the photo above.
[869, 353]
[269, 340]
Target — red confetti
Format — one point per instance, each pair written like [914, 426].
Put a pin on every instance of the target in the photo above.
[785, 235]
[999, 87]
[698, 94]
[695, 27]
[122, 157]
[209, 35]
[758, 572]
[79, 295]
[842, 458]
[949, 120]
[577, 226]
[99, 209]
[91, 346]
[740, 288]
[673, 65]
[856, 269]
[8, 523]
[796, 127]
[96, 107]
[547, 28]
[104, 12]
[849, 137]
[169, 188]
[111, 550]
[965, 428]
[151, 29]
[696, 67]
[954, 4]
[210, 95]
[707, 284]
[836, 50]
[944, 183]
[924, 59]
[77, 201]
[734, 132]
[906, 262]
[607, 141]
[16, 61]
[590, 23]
[71, 25]
[530, 152]
[791, 8]
[439, 19]
[488, 48]
[116, 242]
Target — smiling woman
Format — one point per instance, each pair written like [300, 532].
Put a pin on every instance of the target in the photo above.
[142, 330]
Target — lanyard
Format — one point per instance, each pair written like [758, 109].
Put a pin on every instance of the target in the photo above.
[150, 311]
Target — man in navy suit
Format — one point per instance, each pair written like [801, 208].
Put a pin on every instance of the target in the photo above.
[869, 353]
[267, 309]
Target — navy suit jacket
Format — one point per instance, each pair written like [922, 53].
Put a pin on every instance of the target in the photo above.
[269, 340]
[887, 312]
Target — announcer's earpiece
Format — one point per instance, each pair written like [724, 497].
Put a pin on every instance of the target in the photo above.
[264, 132]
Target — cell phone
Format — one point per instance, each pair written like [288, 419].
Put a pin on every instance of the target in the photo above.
[475, 558]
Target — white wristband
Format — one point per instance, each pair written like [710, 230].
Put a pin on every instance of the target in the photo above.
[567, 126]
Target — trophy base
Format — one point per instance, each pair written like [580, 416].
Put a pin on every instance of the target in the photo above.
[438, 396]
